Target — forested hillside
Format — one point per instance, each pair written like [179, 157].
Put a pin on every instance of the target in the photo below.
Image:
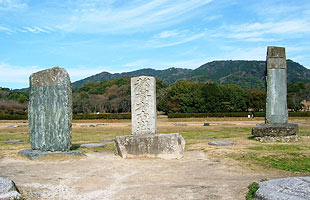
[246, 74]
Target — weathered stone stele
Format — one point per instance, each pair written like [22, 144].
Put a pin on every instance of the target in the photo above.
[50, 110]
[143, 141]
[143, 105]
[276, 127]
[276, 102]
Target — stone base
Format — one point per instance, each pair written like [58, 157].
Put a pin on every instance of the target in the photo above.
[167, 146]
[274, 130]
[291, 138]
[33, 154]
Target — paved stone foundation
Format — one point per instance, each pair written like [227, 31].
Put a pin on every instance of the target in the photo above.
[167, 146]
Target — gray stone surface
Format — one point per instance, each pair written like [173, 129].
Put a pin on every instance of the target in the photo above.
[290, 138]
[179, 124]
[12, 126]
[50, 110]
[276, 102]
[274, 130]
[167, 146]
[295, 188]
[14, 141]
[107, 140]
[222, 143]
[33, 154]
[92, 145]
[143, 105]
[8, 190]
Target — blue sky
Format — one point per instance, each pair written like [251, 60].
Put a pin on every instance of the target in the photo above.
[87, 37]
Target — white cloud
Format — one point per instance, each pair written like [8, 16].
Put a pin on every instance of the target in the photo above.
[34, 29]
[135, 16]
[6, 29]
[174, 38]
[166, 34]
[7, 5]
[266, 32]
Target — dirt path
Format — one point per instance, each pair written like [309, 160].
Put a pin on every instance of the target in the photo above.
[103, 175]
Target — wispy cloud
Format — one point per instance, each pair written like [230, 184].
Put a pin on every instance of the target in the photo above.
[6, 29]
[174, 37]
[35, 29]
[266, 32]
[129, 17]
[7, 5]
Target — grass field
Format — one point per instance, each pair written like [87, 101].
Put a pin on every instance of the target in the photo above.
[293, 157]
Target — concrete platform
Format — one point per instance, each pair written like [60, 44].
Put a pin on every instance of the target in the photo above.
[166, 146]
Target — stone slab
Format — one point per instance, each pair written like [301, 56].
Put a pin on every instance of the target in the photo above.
[107, 140]
[143, 105]
[222, 143]
[294, 188]
[50, 110]
[33, 154]
[13, 141]
[166, 146]
[180, 124]
[92, 145]
[8, 189]
[274, 130]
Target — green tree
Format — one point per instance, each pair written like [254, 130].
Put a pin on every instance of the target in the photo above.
[234, 98]
[213, 98]
[185, 97]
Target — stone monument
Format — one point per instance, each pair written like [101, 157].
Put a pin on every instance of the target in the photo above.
[276, 127]
[50, 113]
[144, 142]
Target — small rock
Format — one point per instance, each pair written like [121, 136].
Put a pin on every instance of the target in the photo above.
[8, 189]
[107, 140]
[294, 188]
[12, 126]
[93, 145]
[13, 141]
[102, 124]
[222, 143]
[179, 124]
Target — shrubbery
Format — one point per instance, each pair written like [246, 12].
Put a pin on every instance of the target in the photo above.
[231, 114]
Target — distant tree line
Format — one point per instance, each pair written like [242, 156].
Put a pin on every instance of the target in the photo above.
[113, 96]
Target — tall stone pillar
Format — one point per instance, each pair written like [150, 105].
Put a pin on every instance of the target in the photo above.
[276, 127]
[143, 141]
[143, 105]
[50, 114]
[276, 79]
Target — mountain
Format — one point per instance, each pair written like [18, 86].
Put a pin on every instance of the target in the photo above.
[247, 74]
